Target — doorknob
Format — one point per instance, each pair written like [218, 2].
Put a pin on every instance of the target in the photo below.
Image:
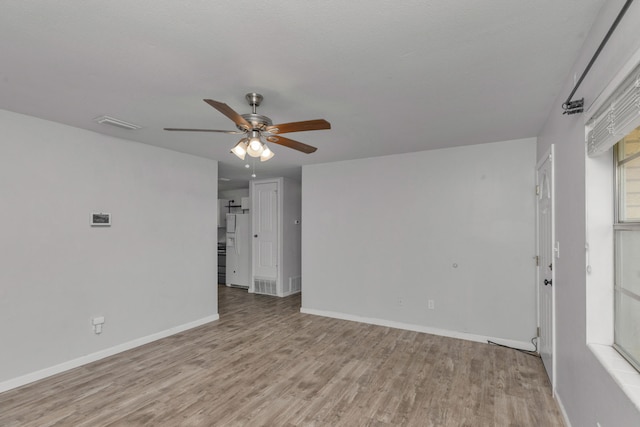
[548, 282]
[255, 235]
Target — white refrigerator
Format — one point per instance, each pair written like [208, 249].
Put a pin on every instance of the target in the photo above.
[238, 250]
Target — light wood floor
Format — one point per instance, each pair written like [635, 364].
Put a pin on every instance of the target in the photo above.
[265, 364]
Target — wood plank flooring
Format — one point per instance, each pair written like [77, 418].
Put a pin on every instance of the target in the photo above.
[266, 364]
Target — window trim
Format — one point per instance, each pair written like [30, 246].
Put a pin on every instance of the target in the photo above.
[621, 225]
[600, 185]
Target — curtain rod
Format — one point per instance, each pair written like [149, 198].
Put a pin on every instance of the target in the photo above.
[573, 107]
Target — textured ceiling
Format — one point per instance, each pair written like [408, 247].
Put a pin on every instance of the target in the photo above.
[391, 77]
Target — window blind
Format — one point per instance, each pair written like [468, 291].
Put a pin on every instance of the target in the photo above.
[618, 116]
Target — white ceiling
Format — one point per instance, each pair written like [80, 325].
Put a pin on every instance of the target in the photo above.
[390, 76]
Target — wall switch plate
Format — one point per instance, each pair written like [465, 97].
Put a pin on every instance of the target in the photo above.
[431, 304]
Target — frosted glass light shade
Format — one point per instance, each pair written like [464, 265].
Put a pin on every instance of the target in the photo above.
[240, 148]
[266, 154]
[255, 147]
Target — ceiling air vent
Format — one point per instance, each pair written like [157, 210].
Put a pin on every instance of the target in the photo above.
[106, 120]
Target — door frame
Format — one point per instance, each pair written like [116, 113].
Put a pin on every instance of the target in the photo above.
[548, 156]
[278, 235]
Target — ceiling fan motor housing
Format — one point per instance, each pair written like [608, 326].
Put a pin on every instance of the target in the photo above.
[258, 121]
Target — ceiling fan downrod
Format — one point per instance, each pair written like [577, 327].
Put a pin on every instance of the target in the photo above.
[258, 122]
[254, 100]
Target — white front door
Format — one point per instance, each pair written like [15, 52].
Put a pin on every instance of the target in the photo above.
[545, 238]
[265, 230]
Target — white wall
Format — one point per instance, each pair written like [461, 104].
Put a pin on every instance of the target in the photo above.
[381, 237]
[153, 270]
[586, 390]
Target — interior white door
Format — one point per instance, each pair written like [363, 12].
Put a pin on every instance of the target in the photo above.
[265, 230]
[546, 306]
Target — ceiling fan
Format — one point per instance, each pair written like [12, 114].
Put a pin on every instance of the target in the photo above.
[257, 128]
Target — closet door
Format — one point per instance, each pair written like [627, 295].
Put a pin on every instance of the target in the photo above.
[265, 230]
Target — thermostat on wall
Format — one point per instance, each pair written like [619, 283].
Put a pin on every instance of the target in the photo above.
[101, 219]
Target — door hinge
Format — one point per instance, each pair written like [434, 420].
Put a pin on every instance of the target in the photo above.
[537, 190]
[538, 331]
[537, 257]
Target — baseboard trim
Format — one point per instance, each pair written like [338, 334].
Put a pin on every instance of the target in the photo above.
[83, 360]
[562, 410]
[522, 345]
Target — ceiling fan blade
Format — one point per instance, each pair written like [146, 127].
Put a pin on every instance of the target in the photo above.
[229, 112]
[232, 132]
[318, 124]
[307, 149]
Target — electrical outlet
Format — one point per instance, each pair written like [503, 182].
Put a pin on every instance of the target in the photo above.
[431, 304]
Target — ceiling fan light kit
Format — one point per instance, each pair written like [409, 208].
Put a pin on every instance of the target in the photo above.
[257, 129]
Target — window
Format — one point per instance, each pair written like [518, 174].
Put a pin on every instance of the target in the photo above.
[627, 248]
[615, 124]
